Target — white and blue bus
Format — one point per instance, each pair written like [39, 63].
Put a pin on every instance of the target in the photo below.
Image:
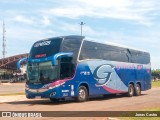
[72, 66]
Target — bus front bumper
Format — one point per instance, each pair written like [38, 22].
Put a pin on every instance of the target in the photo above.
[41, 93]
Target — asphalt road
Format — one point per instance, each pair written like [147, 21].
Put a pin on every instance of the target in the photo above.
[9, 88]
[148, 100]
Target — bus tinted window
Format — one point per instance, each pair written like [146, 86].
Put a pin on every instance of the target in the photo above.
[140, 57]
[66, 67]
[92, 50]
[71, 45]
[45, 48]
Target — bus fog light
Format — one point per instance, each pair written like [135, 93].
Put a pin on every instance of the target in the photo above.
[28, 96]
[52, 94]
[27, 88]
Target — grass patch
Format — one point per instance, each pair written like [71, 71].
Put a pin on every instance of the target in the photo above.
[156, 109]
[153, 109]
[156, 83]
[11, 94]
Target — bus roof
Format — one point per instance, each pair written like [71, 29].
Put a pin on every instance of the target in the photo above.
[90, 39]
[115, 44]
[66, 37]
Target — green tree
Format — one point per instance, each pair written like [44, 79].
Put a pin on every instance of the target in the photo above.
[156, 73]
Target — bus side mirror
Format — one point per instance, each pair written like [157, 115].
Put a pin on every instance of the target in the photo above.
[61, 54]
[20, 61]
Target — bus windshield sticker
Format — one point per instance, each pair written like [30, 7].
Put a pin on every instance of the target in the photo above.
[40, 55]
[43, 43]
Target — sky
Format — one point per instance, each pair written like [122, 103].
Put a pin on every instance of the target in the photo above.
[134, 23]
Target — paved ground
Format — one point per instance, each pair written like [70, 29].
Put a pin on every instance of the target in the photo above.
[6, 88]
[148, 99]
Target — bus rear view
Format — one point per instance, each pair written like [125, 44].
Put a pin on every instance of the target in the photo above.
[73, 67]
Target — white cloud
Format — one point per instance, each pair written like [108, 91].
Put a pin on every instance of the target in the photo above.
[118, 9]
[24, 34]
[107, 3]
[23, 19]
[75, 28]
[46, 21]
[52, 18]
[66, 12]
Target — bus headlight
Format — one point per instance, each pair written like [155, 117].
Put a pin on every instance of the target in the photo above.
[26, 87]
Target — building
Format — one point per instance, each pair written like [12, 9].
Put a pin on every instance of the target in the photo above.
[8, 66]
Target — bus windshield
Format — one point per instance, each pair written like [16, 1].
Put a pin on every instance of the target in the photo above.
[42, 72]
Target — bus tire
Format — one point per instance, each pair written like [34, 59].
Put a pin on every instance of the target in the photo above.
[130, 90]
[82, 94]
[54, 100]
[137, 90]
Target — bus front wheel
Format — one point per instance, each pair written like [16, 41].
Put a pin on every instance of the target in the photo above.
[130, 90]
[82, 94]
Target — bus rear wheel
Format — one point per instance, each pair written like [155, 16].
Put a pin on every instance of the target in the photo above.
[137, 90]
[130, 90]
[82, 94]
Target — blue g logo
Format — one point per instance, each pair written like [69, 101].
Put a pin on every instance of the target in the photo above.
[103, 74]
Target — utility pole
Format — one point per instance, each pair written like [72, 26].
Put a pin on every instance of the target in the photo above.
[82, 23]
[4, 41]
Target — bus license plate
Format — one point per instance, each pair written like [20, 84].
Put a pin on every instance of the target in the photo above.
[37, 97]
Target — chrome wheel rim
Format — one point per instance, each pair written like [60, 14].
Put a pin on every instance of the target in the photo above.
[138, 89]
[82, 94]
[131, 90]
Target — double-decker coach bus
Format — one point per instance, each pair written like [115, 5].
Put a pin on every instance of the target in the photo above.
[72, 66]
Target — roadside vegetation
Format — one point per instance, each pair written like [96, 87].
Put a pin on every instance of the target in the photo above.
[155, 78]
[156, 74]
[139, 118]
[156, 83]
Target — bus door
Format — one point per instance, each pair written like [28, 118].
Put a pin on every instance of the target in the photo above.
[67, 72]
